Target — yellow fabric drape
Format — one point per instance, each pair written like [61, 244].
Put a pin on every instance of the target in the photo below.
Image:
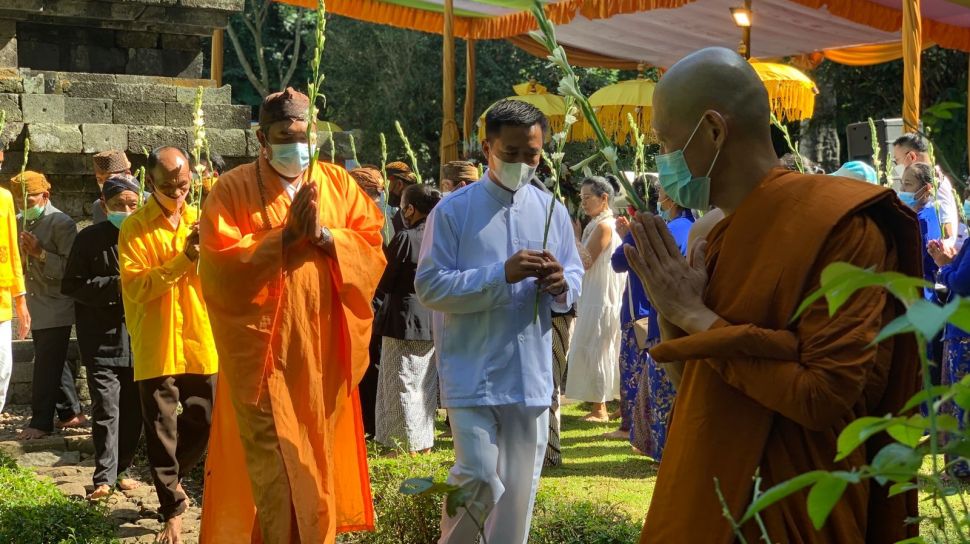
[878, 16]
[912, 40]
[867, 55]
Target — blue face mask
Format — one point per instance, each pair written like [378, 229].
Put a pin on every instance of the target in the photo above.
[117, 218]
[677, 181]
[664, 214]
[33, 213]
[908, 199]
[290, 160]
[966, 210]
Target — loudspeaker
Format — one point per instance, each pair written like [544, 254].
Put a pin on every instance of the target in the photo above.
[858, 137]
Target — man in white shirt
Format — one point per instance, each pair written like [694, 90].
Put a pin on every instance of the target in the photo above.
[483, 269]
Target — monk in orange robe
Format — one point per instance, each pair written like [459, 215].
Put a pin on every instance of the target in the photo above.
[761, 393]
[289, 267]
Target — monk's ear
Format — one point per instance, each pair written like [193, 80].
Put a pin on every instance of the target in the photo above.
[719, 128]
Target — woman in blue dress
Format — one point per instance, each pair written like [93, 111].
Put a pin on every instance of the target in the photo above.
[954, 274]
[646, 393]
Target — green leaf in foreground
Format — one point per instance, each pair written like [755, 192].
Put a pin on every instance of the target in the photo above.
[822, 498]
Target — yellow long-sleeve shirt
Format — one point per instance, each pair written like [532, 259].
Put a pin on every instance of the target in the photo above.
[11, 271]
[166, 315]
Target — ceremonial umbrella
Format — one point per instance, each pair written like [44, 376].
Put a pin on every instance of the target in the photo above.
[790, 92]
[612, 104]
[530, 92]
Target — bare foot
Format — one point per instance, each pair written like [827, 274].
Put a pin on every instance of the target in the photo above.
[127, 484]
[617, 434]
[100, 492]
[30, 433]
[78, 420]
[171, 533]
[616, 415]
[597, 418]
[188, 499]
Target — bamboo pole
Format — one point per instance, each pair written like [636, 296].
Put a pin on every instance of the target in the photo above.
[468, 120]
[912, 48]
[216, 60]
[449, 128]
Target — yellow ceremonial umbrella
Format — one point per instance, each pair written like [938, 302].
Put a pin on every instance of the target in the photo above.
[791, 93]
[552, 105]
[612, 104]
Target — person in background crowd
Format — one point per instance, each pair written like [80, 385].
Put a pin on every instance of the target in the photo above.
[13, 291]
[370, 180]
[954, 276]
[916, 191]
[407, 394]
[594, 349]
[790, 161]
[93, 279]
[649, 390]
[46, 242]
[399, 177]
[858, 170]
[107, 164]
[482, 272]
[214, 166]
[296, 281]
[912, 148]
[174, 354]
[772, 391]
[457, 174]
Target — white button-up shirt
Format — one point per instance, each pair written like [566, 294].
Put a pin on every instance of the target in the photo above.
[490, 349]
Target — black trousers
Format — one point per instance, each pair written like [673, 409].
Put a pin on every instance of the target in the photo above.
[53, 387]
[116, 421]
[175, 442]
[368, 388]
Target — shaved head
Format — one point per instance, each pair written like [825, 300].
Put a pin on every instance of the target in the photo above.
[170, 175]
[712, 79]
[714, 101]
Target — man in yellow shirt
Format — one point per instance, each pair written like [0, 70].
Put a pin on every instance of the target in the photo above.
[175, 356]
[13, 293]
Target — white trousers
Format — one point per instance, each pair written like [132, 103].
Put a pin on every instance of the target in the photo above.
[6, 361]
[498, 458]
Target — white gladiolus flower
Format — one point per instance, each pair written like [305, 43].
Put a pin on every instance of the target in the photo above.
[558, 137]
[568, 86]
[573, 110]
[570, 120]
[609, 153]
[558, 156]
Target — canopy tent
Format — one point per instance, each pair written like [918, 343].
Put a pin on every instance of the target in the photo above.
[659, 32]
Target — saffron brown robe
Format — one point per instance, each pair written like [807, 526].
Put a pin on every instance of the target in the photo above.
[760, 392]
[293, 328]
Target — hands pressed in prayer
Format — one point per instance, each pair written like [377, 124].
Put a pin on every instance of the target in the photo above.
[622, 226]
[192, 243]
[675, 288]
[304, 220]
[941, 253]
[31, 244]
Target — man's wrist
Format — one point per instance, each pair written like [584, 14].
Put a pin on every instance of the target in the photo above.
[43, 255]
[696, 320]
[324, 238]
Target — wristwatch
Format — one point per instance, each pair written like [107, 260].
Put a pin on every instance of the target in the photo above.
[325, 238]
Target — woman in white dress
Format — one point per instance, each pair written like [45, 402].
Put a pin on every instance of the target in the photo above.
[593, 372]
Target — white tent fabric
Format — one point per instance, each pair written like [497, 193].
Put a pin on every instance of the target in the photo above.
[661, 37]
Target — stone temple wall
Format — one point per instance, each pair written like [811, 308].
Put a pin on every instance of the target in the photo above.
[70, 116]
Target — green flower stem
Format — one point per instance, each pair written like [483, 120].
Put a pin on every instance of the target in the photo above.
[23, 168]
[313, 88]
[410, 152]
[791, 146]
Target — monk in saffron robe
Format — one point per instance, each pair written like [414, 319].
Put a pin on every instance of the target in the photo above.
[762, 393]
[289, 267]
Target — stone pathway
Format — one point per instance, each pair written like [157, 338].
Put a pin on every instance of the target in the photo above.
[67, 459]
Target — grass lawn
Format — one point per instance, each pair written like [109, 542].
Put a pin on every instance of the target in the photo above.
[608, 471]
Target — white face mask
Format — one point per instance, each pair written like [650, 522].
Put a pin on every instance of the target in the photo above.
[898, 171]
[513, 175]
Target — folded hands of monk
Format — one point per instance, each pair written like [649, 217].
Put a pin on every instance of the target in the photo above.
[674, 287]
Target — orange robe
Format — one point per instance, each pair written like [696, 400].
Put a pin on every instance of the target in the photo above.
[293, 330]
[762, 393]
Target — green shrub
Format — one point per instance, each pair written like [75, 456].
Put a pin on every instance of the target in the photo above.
[33, 511]
[405, 519]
